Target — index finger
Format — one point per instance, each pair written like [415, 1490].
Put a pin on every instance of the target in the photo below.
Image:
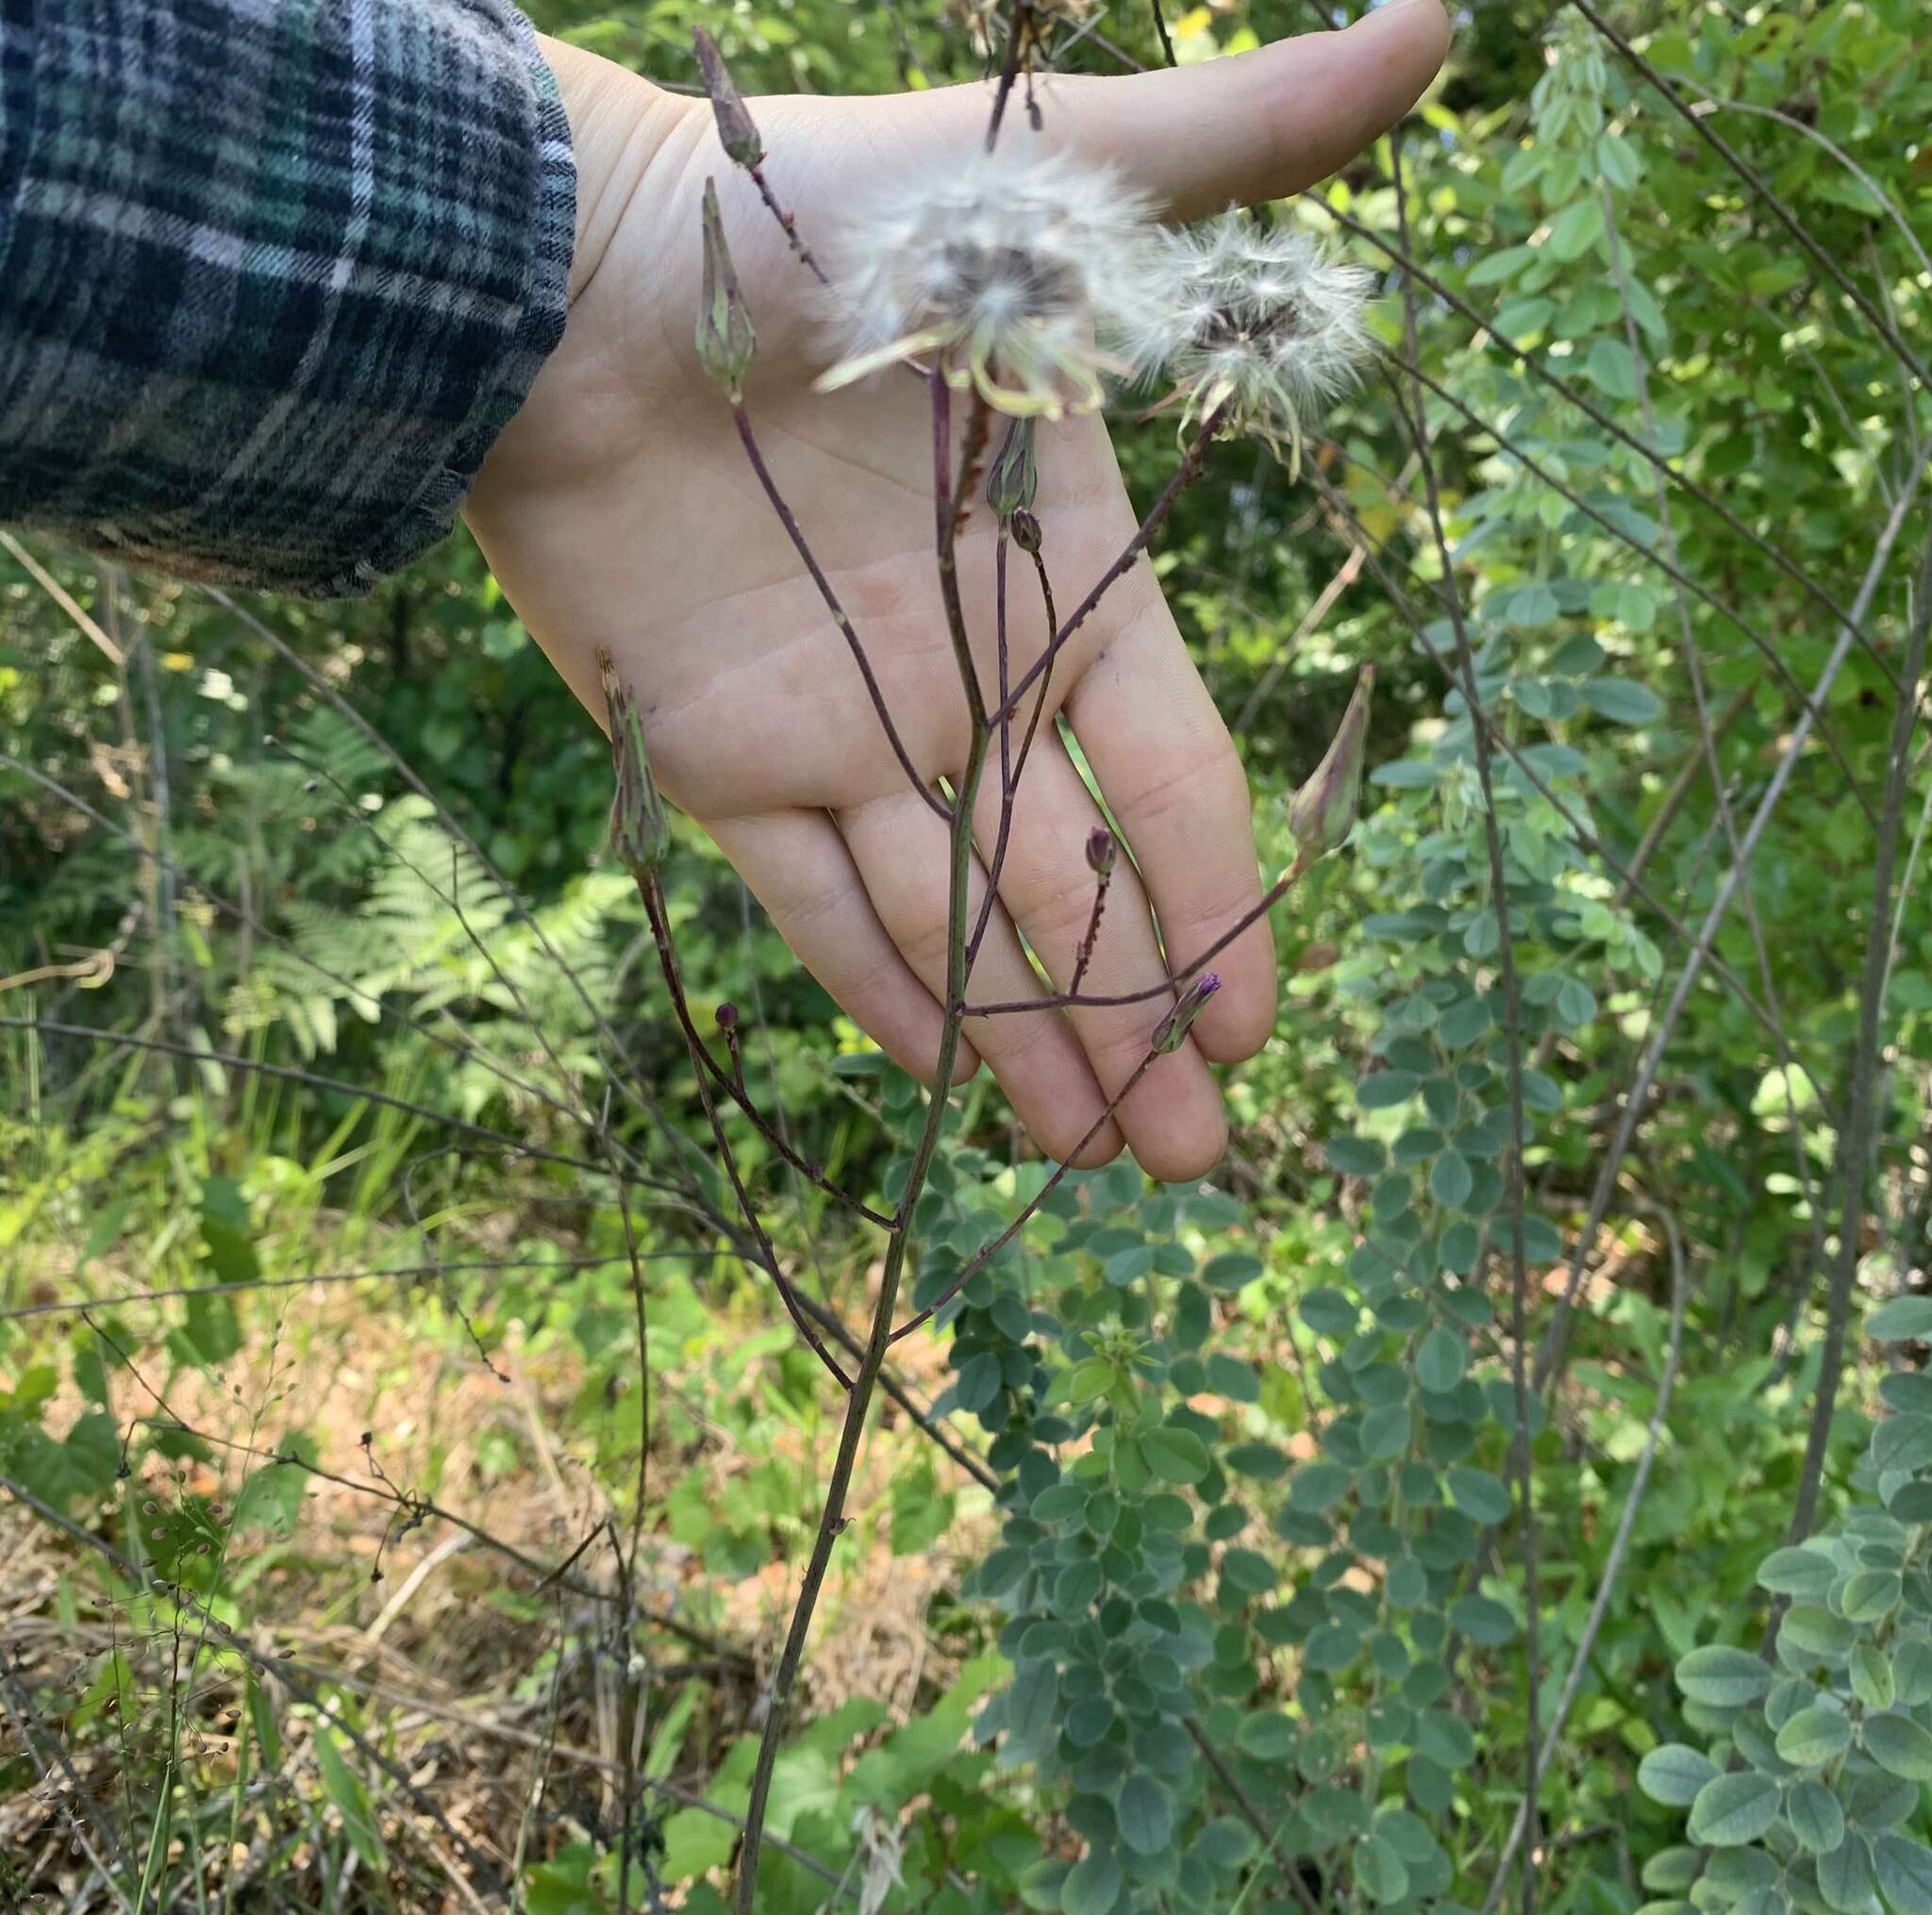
[1171, 776]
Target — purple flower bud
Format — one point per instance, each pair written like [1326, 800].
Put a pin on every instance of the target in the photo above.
[1026, 530]
[639, 831]
[1101, 850]
[1323, 812]
[726, 1015]
[736, 133]
[724, 336]
[1175, 1027]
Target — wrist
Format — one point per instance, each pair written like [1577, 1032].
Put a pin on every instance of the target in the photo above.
[618, 124]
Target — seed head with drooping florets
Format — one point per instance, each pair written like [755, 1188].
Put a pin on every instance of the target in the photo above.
[1017, 275]
[1259, 320]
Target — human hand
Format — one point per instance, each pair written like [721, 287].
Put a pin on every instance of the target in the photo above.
[619, 511]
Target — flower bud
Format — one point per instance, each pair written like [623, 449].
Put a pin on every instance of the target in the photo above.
[1026, 530]
[1323, 812]
[1100, 850]
[725, 336]
[736, 133]
[1175, 1027]
[726, 1015]
[639, 831]
[1012, 477]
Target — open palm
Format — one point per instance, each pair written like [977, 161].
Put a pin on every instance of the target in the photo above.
[618, 510]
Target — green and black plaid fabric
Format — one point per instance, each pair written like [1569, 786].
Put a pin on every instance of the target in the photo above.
[273, 273]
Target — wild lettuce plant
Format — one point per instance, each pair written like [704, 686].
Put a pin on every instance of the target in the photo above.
[1018, 286]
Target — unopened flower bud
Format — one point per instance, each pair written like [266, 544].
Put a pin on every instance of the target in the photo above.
[1175, 1027]
[1026, 530]
[736, 133]
[1323, 812]
[1012, 477]
[639, 831]
[725, 336]
[1100, 850]
[726, 1015]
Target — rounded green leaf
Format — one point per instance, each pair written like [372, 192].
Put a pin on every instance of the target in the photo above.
[1483, 1620]
[1877, 1800]
[1869, 1594]
[1670, 1871]
[1087, 1722]
[1898, 1745]
[1175, 1455]
[1815, 1817]
[1903, 1868]
[1386, 1432]
[1903, 1443]
[1845, 1877]
[1092, 1885]
[1451, 1180]
[1477, 1493]
[1803, 1573]
[1731, 1810]
[1722, 1677]
[1329, 1313]
[1146, 1815]
[1734, 1872]
[1441, 1360]
[1379, 1870]
[1386, 1090]
[1269, 1737]
[1872, 1679]
[1811, 1633]
[1912, 1668]
[1355, 1157]
[1445, 1739]
[1674, 1774]
[1621, 701]
[1231, 1271]
[1316, 1487]
[1906, 1318]
[1814, 1737]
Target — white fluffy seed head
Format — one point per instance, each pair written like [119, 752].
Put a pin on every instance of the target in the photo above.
[1015, 274]
[1257, 320]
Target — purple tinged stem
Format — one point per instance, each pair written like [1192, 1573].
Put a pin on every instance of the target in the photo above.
[1184, 474]
[928, 795]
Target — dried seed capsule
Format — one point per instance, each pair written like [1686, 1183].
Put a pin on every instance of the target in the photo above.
[736, 133]
[639, 832]
[1323, 812]
[726, 341]
[1175, 1027]
[1012, 478]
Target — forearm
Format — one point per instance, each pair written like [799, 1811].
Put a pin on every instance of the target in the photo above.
[273, 276]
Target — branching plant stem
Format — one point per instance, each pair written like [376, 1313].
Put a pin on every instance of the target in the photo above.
[1184, 476]
[667, 960]
[859, 1398]
[796, 533]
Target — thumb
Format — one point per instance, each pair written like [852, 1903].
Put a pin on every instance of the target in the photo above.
[1252, 126]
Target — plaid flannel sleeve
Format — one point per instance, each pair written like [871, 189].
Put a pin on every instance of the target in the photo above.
[273, 273]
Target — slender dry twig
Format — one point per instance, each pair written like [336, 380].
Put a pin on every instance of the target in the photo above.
[1612, 1570]
[1506, 967]
[1862, 1107]
[1638, 1092]
[1536, 366]
[1820, 256]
